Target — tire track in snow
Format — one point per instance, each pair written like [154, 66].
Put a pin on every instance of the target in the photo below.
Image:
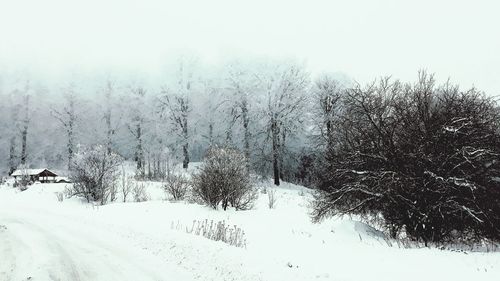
[54, 247]
[36, 253]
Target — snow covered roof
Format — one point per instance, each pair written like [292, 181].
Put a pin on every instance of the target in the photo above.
[62, 179]
[30, 172]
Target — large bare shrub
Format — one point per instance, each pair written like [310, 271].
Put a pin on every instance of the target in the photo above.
[224, 180]
[420, 159]
[94, 174]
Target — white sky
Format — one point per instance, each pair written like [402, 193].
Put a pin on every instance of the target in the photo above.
[364, 39]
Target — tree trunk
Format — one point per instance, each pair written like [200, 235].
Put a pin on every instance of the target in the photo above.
[24, 132]
[229, 129]
[211, 134]
[12, 155]
[149, 167]
[246, 136]
[281, 153]
[107, 118]
[139, 155]
[24, 139]
[70, 147]
[109, 131]
[329, 136]
[229, 136]
[185, 151]
[70, 140]
[276, 149]
[185, 147]
[158, 172]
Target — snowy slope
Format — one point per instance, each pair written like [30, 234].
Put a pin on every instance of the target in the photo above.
[72, 240]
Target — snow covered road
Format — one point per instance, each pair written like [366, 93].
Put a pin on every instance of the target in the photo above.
[36, 245]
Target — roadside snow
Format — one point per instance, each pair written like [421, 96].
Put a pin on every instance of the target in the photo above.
[72, 240]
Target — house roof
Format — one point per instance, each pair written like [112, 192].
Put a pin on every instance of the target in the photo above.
[33, 172]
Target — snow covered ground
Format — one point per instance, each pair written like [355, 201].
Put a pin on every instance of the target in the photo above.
[43, 239]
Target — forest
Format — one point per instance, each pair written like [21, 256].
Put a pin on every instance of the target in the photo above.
[416, 158]
[263, 108]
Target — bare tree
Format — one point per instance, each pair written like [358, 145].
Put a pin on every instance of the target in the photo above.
[327, 105]
[212, 102]
[179, 108]
[67, 117]
[210, 112]
[136, 125]
[12, 140]
[110, 128]
[12, 154]
[242, 84]
[285, 92]
[25, 120]
[176, 104]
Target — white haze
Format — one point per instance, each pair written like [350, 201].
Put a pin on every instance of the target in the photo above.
[363, 39]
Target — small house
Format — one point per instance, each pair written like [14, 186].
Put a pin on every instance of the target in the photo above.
[41, 175]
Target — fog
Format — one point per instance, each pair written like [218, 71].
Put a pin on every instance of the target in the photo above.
[130, 74]
[362, 39]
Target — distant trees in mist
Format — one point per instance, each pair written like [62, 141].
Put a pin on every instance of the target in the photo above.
[260, 108]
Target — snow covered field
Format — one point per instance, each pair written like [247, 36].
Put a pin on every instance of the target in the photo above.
[43, 239]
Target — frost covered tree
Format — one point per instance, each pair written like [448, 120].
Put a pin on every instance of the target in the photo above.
[285, 92]
[67, 116]
[178, 108]
[213, 102]
[136, 122]
[242, 84]
[325, 107]
[14, 112]
[109, 91]
[25, 94]
[176, 104]
[327, 104]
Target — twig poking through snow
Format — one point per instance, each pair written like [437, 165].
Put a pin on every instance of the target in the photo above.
[232, 235]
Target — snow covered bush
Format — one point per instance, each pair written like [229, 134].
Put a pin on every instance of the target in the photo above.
[224, 180]
[94, 173]
[419, 160]
[176, 186]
